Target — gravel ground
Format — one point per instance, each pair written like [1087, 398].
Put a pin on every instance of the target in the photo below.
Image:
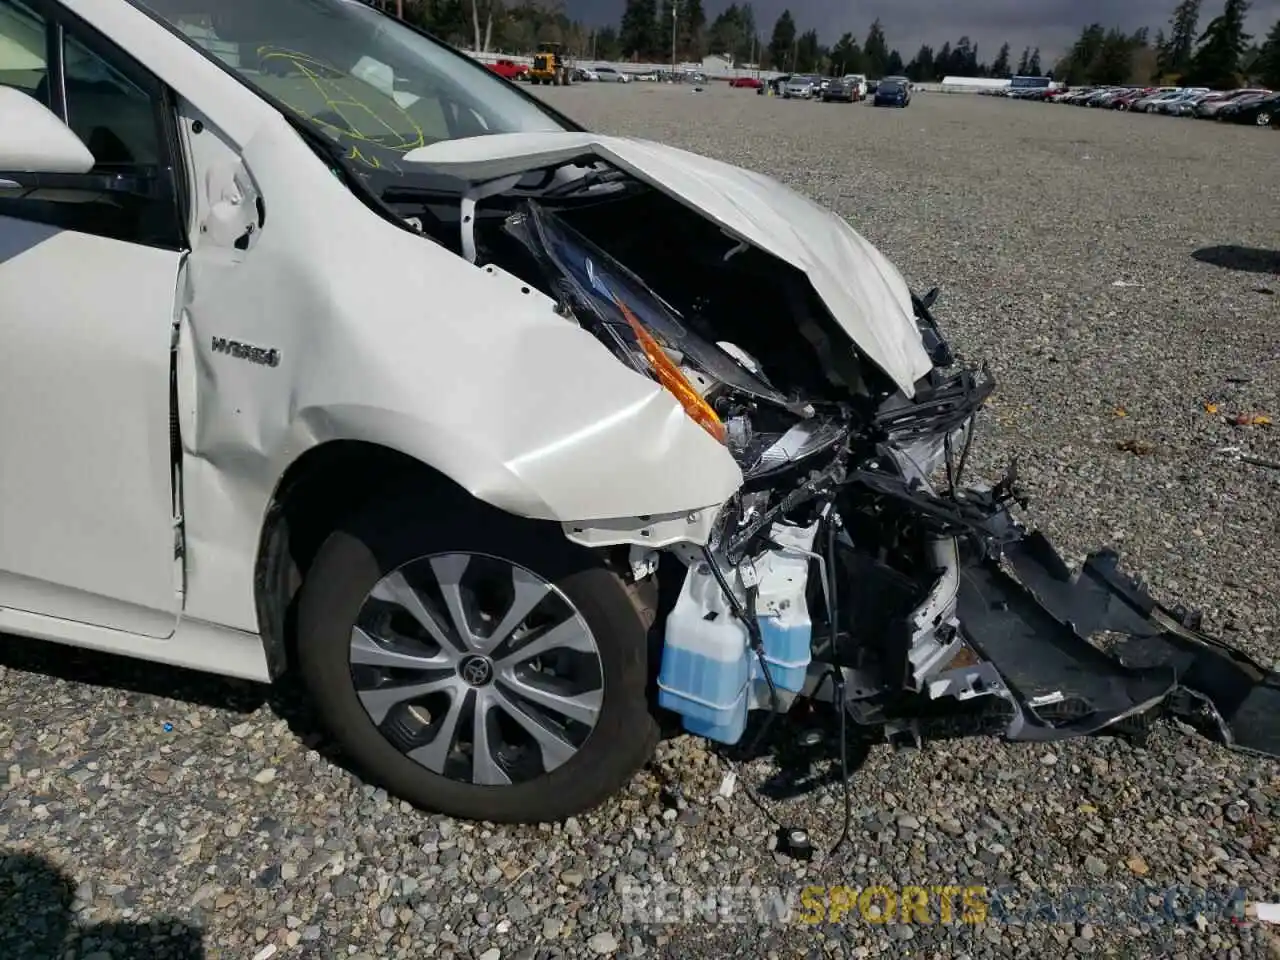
[152, 812]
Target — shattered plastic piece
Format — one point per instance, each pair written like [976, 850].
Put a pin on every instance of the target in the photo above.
[1264, 912]
[1251, 420]
[1141, 448]
[804, 440]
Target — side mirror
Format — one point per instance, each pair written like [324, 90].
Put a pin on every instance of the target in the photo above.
[42, 159]
[35, 140]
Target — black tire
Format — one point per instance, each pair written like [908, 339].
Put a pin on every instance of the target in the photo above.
[390, 532]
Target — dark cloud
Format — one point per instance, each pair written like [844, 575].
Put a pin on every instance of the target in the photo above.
[1051, 25]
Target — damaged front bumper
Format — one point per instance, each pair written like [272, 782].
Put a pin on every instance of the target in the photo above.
[843, 566]
[1007, 639]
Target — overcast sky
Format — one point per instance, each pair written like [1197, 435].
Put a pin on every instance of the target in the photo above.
[1051, 25]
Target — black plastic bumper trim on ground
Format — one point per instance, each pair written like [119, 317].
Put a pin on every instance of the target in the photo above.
[1036, 631]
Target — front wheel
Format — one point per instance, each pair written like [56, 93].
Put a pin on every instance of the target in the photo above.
[1263, 119]
[474, 663]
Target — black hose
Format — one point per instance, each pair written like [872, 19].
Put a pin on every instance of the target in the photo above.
[774, 700]
[838, 683]
[738, 610]
[968, 444]
[947, 454]
[844, 766]
[833, 598]
[748, 617]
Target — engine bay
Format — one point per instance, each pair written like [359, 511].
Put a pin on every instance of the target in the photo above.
[824, 566]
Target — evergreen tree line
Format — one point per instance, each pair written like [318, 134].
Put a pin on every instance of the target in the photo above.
[802, 53]
[508, 26]
[1221, 55]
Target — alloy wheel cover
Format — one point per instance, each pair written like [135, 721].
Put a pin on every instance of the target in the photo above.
[476, 668]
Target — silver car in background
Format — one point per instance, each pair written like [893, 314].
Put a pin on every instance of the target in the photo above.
[1188, 106]
[1209, 110]
[800, 88]
[1168, 104]
[611, 75]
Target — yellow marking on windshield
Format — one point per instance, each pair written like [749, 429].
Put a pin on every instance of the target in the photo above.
[342, 104]
[355, 154]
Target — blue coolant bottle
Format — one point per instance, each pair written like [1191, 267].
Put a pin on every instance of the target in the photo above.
[782, 608]
[706, 656]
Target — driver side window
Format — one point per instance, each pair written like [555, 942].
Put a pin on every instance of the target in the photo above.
[114, 117]
[23, 50]
[116, 109]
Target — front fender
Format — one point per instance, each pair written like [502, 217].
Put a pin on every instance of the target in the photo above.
[337, 325]
[633, 452]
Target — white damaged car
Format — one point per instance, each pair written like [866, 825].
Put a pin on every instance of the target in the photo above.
[330, 351]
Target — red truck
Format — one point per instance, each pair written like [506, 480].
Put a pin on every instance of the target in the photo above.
[508, 69]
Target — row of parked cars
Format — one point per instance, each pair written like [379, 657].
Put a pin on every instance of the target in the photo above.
[512, 70]
[1247, 105]
[851, 88]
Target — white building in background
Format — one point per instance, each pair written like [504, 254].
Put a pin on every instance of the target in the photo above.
[714, 65]
[988, 84]
[973, 84]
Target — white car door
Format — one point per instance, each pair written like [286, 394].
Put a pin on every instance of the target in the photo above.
[88, 496]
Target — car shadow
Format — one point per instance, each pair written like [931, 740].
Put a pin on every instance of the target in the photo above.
[129, 675]
[1244, 259]
[143, 679]
[37, 920]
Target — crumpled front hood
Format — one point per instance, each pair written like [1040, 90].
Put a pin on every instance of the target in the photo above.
[864, 292]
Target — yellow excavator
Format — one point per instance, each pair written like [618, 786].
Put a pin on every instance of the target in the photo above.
[549, 66]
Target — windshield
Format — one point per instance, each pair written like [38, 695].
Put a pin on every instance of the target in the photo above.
[363, 79]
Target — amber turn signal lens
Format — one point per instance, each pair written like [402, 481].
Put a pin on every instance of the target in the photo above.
[672, 379]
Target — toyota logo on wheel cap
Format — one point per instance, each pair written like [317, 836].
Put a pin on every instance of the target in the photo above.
[476, 671]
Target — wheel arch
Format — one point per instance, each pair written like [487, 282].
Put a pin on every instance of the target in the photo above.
[312, 496]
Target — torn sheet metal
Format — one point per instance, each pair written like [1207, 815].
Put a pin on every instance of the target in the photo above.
[864, 292]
